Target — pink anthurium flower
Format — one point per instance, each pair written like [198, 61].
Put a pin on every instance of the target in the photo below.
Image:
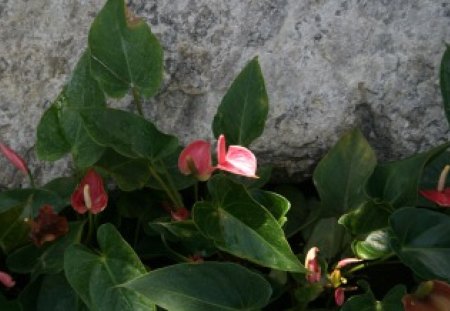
[6, 280]
[195, 159]
[430, 296]
[339, 296]
[313, 266]
[347, 261]
[90, 195]
[237, 159]
[440, 195]
[14, 158]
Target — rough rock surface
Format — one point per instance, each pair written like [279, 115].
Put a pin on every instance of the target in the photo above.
[328, 65]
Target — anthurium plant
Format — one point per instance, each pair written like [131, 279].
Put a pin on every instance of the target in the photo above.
[145, 223]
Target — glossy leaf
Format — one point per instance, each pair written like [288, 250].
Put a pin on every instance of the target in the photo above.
[421, 239]
[242, 114]
[242, 227]
[63, 187]
[56, 294]
[125, 54]
[374, 246]
[397, 182]
[128, 134]
[445, 81]
[273, 202]
[329, 237]
[44, 260]
[97, 277]
[369, 216]
[129, 174]
[204, 287]
[341, 175]
[367, 302]
[431, 174]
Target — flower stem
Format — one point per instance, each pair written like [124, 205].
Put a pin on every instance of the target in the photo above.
[382, 260]
[31, 178]
[90, 227]
[173, 197]
[137, 101]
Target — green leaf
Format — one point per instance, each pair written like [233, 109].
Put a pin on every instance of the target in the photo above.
[375, 245]
[329, 237]
[51, 143]
[340, 177]
[61, 128]
[431, 174]
[445, 81]
[56, 294]
[421, 239]
[9, 305]
[44, 260]
[204, 287]
[125, 54]
[242, 227]
[97, 277]
[397, 182]
[367, 302]
[17, 205]
[263, 172]
[273, 202]
[128, 134]
[369, 216]
[129, 174]
[63, 187]
[242, 114]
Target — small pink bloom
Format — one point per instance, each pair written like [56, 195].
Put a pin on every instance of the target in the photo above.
[196, 258]
[237, 159]
[430, 296]
[90, 195]
[196, 159]
[347, 261]
[339, 296]
[6, 280]
[312, 264]
[441, 198]
[14, 158]
[180, 214]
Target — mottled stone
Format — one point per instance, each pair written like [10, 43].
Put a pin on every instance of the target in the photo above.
[329, 66]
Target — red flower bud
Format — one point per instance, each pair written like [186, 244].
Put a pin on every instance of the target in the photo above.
[90, 195]
[180, 214]
[339, 296]
[14, 158]
[6, 280]
[195, 159]
[312, 264]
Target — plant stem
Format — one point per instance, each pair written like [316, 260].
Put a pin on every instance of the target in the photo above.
[174, 198]
[373, 263]
[171, 184]
[90, 227]
[196, 191]
[31, 178]
[177, 255]
[137, 101]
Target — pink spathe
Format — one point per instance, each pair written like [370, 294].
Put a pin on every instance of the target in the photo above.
[237, 159]
[195, 159]
[6, 280]
[14, 158]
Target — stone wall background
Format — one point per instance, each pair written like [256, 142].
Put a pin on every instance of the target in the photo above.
[329, 65]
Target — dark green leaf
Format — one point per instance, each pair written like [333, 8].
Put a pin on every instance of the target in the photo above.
[9, 305]
[45, 260]
[273, 202]
[329, 237]
[431, 174]
[397, 182]
[242, 227]
[242, 113]
[445, 81]
[341, 175]
[57, 295]
[375, 245]
[369, 216]
[96, 276]
[125, 54]
[263, 172]
[129, 174]
[204, 287]
[128, 134]
[63, 187]
[421, 239]
[367, 302]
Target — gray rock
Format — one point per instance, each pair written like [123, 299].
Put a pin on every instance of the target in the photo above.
[328, 65]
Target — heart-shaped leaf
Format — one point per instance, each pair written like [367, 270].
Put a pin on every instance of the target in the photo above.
[273, 202]
[341, 175]
[242, 114]
[204, 287]
[375, 245]
[125, 53]
[445, 81]
[242, 227]
[421, 239]
[97, 277]
[128, 134]
[397, 182]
